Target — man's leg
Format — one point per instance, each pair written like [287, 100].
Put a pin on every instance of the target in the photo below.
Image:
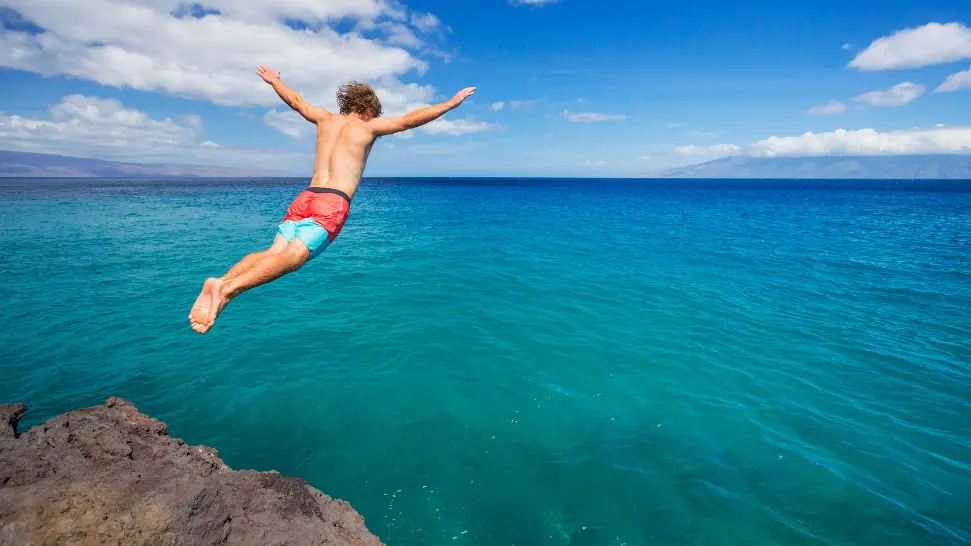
[247, 263]
[270, 268]
[199, 314]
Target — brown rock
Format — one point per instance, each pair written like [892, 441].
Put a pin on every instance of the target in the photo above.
[111, 475]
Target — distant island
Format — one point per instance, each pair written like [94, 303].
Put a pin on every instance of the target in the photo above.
[30, 165]
[834, 167]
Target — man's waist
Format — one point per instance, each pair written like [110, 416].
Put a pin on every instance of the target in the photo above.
[325, 189]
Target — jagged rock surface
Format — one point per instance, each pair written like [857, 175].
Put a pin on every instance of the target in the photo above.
[112, 475]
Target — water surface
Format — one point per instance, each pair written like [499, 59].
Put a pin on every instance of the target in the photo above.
[532, 362]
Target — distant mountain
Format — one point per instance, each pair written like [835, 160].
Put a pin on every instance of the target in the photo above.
[880, 167]
[27, 165]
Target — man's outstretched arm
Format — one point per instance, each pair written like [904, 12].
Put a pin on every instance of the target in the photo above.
[417, 118]
[291, 97]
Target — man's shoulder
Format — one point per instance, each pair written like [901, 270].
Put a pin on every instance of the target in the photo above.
[341, 119]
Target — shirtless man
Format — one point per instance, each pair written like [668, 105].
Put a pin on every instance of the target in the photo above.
[316, 216]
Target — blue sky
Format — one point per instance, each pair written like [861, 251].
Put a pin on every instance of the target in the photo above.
[586, 88]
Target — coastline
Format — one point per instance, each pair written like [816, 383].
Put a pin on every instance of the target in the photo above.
[112, 475]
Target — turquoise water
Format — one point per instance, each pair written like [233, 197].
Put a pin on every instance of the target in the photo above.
[525, 362]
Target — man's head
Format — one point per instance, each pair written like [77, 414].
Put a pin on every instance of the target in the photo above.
[358, 98]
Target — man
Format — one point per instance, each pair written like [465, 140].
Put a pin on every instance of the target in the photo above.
[316, 216]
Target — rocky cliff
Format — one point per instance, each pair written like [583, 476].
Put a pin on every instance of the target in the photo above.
[112, 475]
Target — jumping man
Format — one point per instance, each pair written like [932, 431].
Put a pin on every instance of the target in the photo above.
[316, 216]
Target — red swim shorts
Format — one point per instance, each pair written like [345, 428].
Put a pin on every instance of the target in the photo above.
[316, 217]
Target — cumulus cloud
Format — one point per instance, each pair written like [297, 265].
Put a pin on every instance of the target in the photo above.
[940, 139]
[956, 82]
[587, 117]
[210, 54]
[441, 126]
[401, 35]
[496, 106]
[931, 44]
[398, 98]
[428, 22]
[287, 122]
[863, 142]
[106, 129]
[898, 95]
[717, 150]
[457, 127]
[831, 108]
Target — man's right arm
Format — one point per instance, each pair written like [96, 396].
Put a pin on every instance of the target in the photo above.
[291, 97]
[417, 118]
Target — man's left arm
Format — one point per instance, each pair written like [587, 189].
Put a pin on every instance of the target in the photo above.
[291, 97]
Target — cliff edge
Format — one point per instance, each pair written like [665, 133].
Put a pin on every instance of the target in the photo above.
[112, 475]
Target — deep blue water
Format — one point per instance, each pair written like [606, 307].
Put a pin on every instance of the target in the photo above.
[533, 362]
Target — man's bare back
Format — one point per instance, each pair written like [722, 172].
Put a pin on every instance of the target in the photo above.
[344, 140]
[316, 216]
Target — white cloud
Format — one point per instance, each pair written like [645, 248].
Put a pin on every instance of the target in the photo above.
[498, 106]
[586, 117]
[931, 44]
[832, 108]
[398, 98]
[401, 35]
[898, 95]
[287, 122]
[461, 126]
[595, 163]
[847, 47]
[939, 139]
[956, 82]
[532, 2]
[428, 22]
[644, 157]
[141, 45]
[93, 123]
[404, 99]
[936, 140]
[718, 150]
[106, 129]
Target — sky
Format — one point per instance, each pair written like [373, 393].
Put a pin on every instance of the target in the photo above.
[564, 87]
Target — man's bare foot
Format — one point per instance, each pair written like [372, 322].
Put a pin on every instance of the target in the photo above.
[199, 314]
[218, 298]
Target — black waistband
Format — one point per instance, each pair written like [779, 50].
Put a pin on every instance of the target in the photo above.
[329, 190]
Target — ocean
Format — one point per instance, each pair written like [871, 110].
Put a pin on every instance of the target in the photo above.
[532, 362]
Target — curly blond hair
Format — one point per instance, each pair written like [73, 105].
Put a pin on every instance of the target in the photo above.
[358, 98]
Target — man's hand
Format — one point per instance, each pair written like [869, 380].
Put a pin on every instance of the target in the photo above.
[269, 76]
[461, 96]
